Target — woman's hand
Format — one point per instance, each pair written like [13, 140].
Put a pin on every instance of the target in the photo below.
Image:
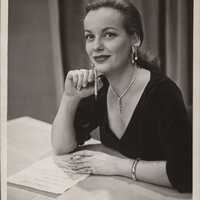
[93, 162]
[78, 83]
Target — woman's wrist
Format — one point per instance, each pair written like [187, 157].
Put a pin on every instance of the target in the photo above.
[134, 168]
[71, 99]
[69, 105]
[124, 167]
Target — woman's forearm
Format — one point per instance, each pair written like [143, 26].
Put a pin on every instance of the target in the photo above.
[153, 172]
[63, 133]
[76, 87]
[97, 162]
[146, 171]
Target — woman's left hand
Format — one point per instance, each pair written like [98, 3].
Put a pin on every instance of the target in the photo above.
[91, 162]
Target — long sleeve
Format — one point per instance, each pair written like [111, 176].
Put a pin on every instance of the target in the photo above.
[176, 137]
[90, 113]
[85, 119]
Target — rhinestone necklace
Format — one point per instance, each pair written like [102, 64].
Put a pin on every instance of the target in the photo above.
[119, 97]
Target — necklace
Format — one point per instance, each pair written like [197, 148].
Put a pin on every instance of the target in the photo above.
[119, 97]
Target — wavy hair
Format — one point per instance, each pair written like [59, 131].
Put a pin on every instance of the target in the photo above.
[132, 22]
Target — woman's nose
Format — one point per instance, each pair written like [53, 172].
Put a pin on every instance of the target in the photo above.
[98, 44]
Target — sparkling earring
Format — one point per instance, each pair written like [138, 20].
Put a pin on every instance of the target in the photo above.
[134, 54]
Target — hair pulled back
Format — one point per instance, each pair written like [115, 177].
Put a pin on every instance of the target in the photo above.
[132, 22]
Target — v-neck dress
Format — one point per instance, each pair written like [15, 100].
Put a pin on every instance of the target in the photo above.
[159, 129]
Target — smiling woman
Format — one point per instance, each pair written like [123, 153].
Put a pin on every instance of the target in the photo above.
[140, 112]
[107, 43]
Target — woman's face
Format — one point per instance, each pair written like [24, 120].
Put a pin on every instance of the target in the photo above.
[107, 43]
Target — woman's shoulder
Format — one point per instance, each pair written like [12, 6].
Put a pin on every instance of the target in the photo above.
[162, 90]
[163, 84]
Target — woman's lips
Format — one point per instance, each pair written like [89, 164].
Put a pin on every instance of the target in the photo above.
[101, 59]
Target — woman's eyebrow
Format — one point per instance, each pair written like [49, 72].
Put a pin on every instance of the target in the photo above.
[87, 31]
[110, 27]
[104, 29]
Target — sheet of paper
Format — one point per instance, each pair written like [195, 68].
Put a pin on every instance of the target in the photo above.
[45, 175]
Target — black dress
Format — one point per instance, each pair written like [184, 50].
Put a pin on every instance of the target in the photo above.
[159, 128]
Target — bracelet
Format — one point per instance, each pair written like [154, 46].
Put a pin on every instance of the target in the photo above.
[133, 169]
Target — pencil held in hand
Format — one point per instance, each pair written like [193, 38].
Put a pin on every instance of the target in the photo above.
[95, 84]
[82, 83]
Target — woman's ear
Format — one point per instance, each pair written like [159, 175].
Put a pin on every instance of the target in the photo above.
[136, 40]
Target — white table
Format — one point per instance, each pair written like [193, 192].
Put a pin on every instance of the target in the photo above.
[29, 141]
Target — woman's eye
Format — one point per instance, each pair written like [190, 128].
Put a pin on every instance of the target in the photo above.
[89, 37]
[110, 35]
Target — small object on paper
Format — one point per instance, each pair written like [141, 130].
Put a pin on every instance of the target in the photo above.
[45, 175]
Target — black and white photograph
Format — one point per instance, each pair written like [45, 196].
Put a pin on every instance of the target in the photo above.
[101, 100]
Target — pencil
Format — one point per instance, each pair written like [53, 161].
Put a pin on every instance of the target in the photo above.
[95, 84]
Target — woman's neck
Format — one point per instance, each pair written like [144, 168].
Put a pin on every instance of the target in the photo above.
[120, 80]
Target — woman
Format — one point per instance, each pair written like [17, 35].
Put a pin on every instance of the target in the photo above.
[140, 112]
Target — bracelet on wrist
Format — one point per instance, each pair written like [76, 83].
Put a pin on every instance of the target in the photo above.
[133, 169]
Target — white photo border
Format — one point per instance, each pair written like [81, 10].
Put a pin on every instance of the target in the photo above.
[3, 98]
[3, 95]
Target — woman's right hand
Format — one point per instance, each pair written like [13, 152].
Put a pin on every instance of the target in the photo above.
[78, 83]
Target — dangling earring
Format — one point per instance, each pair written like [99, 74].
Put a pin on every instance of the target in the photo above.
[134, 54]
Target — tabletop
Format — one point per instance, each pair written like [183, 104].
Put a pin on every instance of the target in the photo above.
[29, 141]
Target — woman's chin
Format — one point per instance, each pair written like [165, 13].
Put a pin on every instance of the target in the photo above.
[102, 68]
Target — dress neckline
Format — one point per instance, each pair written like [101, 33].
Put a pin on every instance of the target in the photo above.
[133, 116]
